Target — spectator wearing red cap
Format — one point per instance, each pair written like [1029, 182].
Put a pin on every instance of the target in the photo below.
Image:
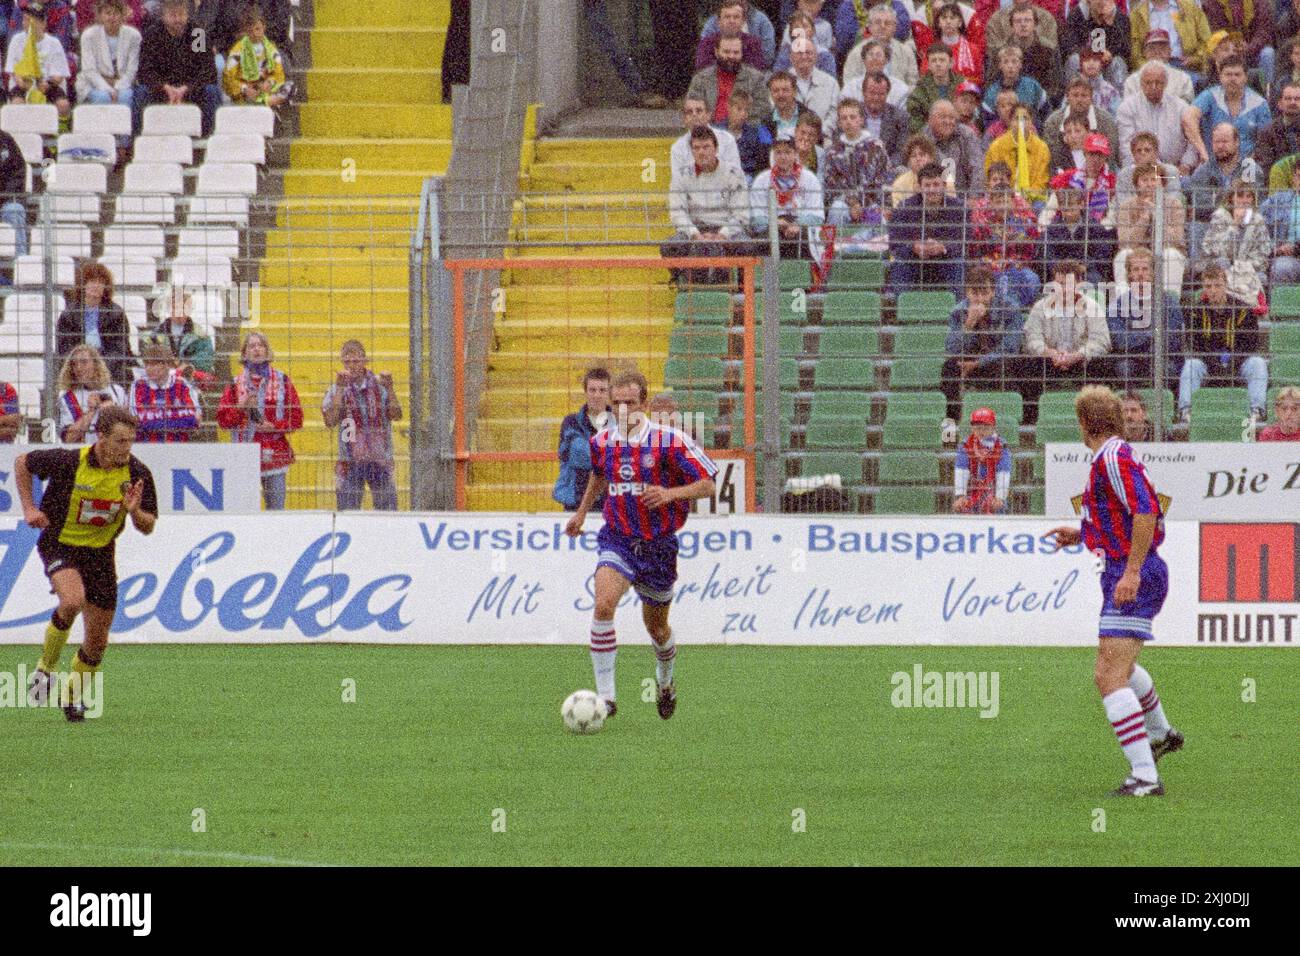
[1078, 103]
[982, 477]
[1095, 181]
[967, 103]
[1155, 46]
[1102, 29]
[1184, 24]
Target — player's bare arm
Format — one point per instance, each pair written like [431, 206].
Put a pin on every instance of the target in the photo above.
[1144, 531]
[143, 520]
[596, 486]
[1064, 536]
[656, 496]
[33, 515]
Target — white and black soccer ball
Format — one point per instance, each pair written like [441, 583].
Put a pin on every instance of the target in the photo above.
[583, 712]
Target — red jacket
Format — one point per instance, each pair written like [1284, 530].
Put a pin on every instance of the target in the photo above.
[280, 408]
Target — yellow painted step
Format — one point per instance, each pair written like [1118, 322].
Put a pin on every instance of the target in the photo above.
[643, 298]
[389, 154]
[527, 498]
[650, 174]
[359, 46]
[511, 472]
[363, 181]
[316, 303]
[388, 273]
[340, 83]
[547, 367]
[556, 340]
[605, 150]
[390, 13]
[377, 120]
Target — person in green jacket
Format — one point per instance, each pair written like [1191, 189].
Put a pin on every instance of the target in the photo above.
[939, 83]
[174, 311]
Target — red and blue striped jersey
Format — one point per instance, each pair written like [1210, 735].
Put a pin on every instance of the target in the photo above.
[660, 456]
[1118, 488]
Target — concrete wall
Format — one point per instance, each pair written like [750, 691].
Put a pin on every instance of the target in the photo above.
[560, 41]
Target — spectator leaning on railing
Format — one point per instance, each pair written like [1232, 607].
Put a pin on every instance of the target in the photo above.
[261, 405]
[363, 406]
[164, 402]
[86, 387]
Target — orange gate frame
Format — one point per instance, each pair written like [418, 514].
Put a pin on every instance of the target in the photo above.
[458, 267]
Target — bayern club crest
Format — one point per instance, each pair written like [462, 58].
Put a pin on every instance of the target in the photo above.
[625, 472]
[647, 460]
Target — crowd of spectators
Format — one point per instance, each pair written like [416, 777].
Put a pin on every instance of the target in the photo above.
[1015, 149]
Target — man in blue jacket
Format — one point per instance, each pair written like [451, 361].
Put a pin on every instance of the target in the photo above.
[984, 332]
[575, 440]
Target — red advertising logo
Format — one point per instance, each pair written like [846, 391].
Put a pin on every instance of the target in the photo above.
[1250, 563]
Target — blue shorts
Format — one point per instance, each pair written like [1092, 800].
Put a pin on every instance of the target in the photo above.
[1133, 620]
[651, 566]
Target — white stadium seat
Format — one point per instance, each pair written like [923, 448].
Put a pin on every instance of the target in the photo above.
[211, 272]
[198, 242]
[76, 178]
[154, 178]
[130, 271]
[172, 148]
[88, 147]
[141, 208]
[235, 148]
[135, 241]
[227, 178]
[42, 118]
[259, 120]
[183, 118]
[7, 241]
[31, 146]
[111, 118]
[29, 399]
[136, 309]
[70, 239]
[29, 270]
[24, 373]
[23, 328]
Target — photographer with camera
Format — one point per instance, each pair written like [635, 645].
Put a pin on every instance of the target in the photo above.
[261, 405]
[86, 387]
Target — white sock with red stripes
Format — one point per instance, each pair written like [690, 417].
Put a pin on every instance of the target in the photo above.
[1125, 716]
[665, 656]
[604, 649]
[1145, 688]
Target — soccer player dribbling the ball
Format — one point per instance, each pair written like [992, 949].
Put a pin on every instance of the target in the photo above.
[91, 490]
[1122, 522]
[650, 474]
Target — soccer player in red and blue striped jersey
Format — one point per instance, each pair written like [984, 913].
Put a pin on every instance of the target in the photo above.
[1123, 524]
[649, 473]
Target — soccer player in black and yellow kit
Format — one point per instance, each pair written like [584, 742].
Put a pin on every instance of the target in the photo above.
[90, 492]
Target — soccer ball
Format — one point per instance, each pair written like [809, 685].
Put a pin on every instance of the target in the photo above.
[583, 712]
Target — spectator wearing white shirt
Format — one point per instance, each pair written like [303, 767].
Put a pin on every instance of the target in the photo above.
[873, 57]
[798, 199]
[815, 89]
[695, 112]
[52, 83]
[901, 56]
[1158, 111]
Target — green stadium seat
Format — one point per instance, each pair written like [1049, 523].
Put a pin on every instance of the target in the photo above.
[1220, 402]
[789, 342]
[851, 308]
[840, 405]
[1215, 428]
[1286, 369]
[1058, 430]
[697, 401]
[795, 274]
[844, 373]
[694, 373]
[695, 340]
[911, 433]
[925, 307]
[793, 309]
[930, 406]
[915, 372]
[1008, 406]
[836, 433]
[702, 308]
[848, 465]
[1284, 340]
[1284, 302]
[905, 501]
[909, 468]
[920, 341]
[1039, 470]
[1056, 406]
[856, 274]
[737, 439]
[1037, 501]
[789, 374]
[849, 343]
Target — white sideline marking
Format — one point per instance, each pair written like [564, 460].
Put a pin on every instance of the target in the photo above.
[145, 850]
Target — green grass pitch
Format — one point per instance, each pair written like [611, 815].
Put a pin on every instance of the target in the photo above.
[443, 742]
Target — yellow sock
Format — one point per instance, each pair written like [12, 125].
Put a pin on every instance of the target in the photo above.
[54, 641]
[81, 674]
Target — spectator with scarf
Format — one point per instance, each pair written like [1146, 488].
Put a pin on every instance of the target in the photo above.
[93, 318]
[799, 201]
[982, 476]
[1004, 234]
[363, 406]
[1095, 181]
[164, 402]
[87, 387]
[965, 49]
[1022, 150]
[254, 69]
[261, 405]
